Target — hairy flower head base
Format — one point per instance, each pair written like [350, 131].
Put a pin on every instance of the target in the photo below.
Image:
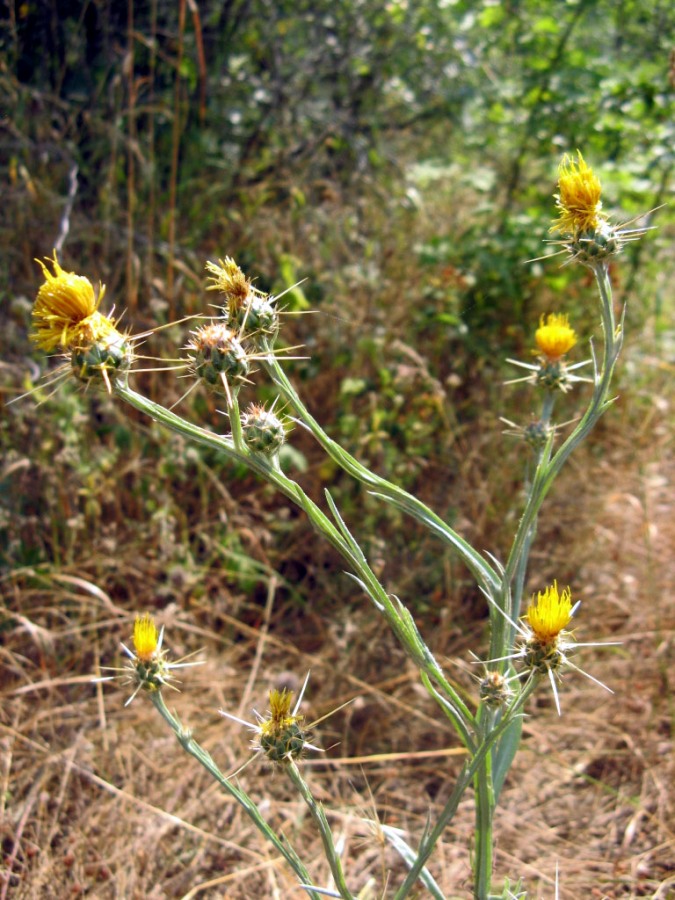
[148, 668]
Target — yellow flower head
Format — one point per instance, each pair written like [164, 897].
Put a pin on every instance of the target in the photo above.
[146, 638]
[281, 734]
[280, 711]
[554, 337]
[229, 279]
[65, 313]
[578, 200]
[549, 614]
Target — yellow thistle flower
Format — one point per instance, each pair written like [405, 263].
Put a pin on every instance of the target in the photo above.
[148, 668]
[549, 614]
[145, 637]
[66, 313]
[555, 337]
[282, 734]
[545, 646]
[578, 199]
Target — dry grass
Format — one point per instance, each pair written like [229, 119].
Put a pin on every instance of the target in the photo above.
[99, 800]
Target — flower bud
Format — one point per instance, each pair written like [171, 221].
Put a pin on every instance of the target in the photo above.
[257, 315]
[263, 431]
[282, 736]
[536, 434]
[109, 352]
[494, 690]
[217, 354]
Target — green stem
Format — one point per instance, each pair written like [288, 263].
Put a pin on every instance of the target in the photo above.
[254, 461]
[321, 822]
[191, 746]
[464, 780]
[548, 472]
[235, 420]
[404, 501]
[396, 614]
[485, 809]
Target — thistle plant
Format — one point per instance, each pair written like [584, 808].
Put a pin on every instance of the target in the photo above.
[527, 651]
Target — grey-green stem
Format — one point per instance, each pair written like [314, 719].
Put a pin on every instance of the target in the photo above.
[191, 746]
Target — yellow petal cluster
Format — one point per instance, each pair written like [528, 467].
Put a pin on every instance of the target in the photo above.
[549, 613]
[280, 712]
[555, 337]
[578, 200]
[229, 279]
[65, 313]
[145, 637]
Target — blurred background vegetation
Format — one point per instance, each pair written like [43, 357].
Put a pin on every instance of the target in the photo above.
[400, 159]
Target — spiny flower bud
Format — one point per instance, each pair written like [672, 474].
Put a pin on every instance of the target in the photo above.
[596, 245]
[217, 355]
[552, 374]
[281, 734]
[109, 353]
[495, 690]
[263, 431]
[257, 315]
[536, 434]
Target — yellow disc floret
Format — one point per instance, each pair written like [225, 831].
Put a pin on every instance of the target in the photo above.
[145, 638]
[578, 199]
[65, 313]
[555, 337]
[229, 279]
[549, 613]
